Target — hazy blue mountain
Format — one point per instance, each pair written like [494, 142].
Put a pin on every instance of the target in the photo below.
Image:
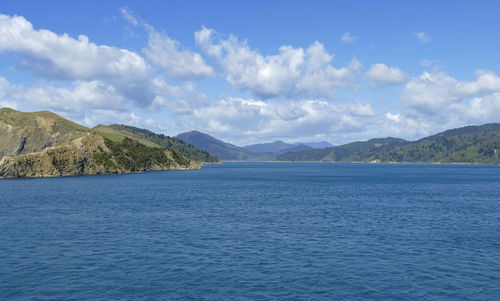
[320, 144]
[279, 147]
[222, 150]
[296, 148]
[275, 147]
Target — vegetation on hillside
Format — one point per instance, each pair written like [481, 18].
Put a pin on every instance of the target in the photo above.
[118, 132]
[135, 156]
[355, 151]
[471, 144]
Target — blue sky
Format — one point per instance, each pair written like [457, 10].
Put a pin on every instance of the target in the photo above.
[256, 71]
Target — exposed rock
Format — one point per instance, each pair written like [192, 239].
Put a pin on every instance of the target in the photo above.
[88, 155]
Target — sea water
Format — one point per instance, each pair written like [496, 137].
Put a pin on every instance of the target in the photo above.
[255, 231]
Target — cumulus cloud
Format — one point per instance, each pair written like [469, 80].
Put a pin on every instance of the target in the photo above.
[98, 74]
[382, 75]
[423, 37]
[434, 91]
[393, 117]
[62, 57]
[79, 96]
[180, 99]
[348, 38]
[292, 73]
[486, 82]
[177, 63]
[437, 101]
[486, 108]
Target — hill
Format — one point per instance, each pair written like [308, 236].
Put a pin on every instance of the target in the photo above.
[40, 144]
[276, 148]
[22, 133]
[117, 132]
[471, 144]
[222, 150]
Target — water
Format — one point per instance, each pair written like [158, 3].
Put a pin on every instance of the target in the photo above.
[255, 231]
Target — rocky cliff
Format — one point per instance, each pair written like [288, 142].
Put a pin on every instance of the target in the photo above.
[89, 155]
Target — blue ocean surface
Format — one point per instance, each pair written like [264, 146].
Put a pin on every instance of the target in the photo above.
[255, 231]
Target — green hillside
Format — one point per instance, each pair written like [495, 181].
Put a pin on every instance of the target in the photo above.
[471, 144]
[118, 132]
[22, 132]
[355, 151]
[134, 156]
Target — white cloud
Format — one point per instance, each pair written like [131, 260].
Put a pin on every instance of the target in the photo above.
[434, 91]
[393, 117]
[62, 57]
[423, 37]
[179, 99]
[294, 72]
[98, 74]
[128, 15]
[436, 101]
[178, 63]
[77, 97]
[348, 38]
[382, 75]
[431, 92]
[167, 53]
[486, 82]
[486, 108]
[428, 63]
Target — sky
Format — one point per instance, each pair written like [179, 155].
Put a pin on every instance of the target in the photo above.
[256, 71]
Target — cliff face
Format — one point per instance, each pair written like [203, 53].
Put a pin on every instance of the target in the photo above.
[88, 155]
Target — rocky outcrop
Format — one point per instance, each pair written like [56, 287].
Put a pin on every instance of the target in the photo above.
[89, 155]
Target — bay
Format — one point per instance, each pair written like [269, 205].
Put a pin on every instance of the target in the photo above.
[255, 231]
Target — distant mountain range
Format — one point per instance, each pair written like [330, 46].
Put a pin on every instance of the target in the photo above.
[471, 144]
[255, 152]
[222, 150]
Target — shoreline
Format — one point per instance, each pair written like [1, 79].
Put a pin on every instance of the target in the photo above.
[363, 162]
